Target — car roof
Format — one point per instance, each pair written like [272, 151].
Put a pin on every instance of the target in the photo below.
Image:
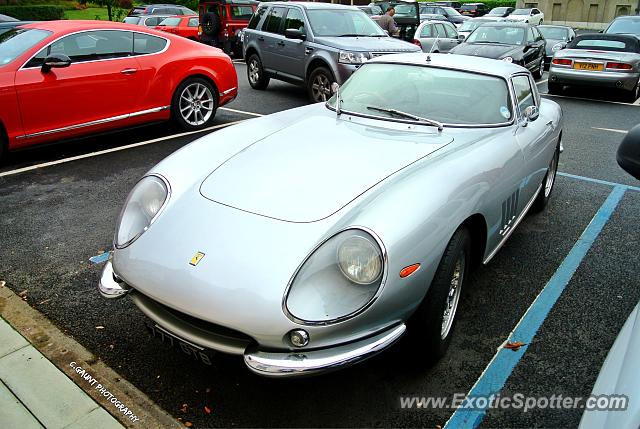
[456, 62]
[555, 26]
[509, 24]
[312, 5]
[64, 26]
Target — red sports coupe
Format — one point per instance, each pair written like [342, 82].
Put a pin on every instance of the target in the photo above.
[62, 79]
[185, 26]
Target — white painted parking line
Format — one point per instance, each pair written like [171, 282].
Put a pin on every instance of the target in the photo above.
[591, 99]
[244, 112]
[637, 102]
[613, 130]
[115, 149]
[238, 61]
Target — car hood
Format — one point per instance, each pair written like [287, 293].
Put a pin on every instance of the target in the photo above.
[312, 167]
[486, 50]
[368, 44]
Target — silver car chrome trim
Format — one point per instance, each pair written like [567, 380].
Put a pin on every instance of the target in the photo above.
[515, 224]
[299, 363]
[228, 91]
[96, 122]
[186, 332]
[383, 280]
[109, 286]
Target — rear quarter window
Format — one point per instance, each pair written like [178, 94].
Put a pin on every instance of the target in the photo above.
[147, 44]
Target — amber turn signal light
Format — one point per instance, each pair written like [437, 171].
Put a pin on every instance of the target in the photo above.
[407, 271]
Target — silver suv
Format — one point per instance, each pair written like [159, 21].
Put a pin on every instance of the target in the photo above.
[312, 44]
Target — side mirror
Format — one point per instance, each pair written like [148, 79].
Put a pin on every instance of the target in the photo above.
[294, 33]
[55, 61]
[461, 37]
[531, 113]
[629, 152]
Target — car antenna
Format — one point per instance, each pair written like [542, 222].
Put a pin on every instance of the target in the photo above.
[433, 46]
[336, 88]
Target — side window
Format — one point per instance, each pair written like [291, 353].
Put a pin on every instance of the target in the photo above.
[524, 95]
[241, 12]
[257, 16]
[450, 30]
[147, 44]
[530, 37]
[538, 34]
[440, 31]
[38, 59]
[193, 22]
[273, 24]
[536, 11]
[426, 31]
[294, 20]
[94, 45]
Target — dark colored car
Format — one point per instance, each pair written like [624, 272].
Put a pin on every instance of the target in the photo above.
[222, 22]
[624, 25]
[514, 42]
[371, 10]
[452, 15]
[454, 4]
[161, 9]
[474, 9]
[407, 17]
[556, 37]
[499, 12]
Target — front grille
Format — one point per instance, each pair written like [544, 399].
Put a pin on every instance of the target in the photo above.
[379, 54]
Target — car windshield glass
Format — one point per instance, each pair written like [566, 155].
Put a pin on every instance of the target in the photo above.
[170, 22]
[498, 11]
[521, 12]
[342, 23]
[554, 33]
[437, 94]
[405, 10]
[470, 25]
[468, 7]
[16, 41]
[625, 26]
[131, 20]
[490, 34]
[451, 11]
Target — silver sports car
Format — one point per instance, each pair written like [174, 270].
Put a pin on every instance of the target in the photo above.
[605, 60]
[305, 240]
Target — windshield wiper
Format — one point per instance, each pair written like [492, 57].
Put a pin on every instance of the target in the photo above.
[352, 35]
[492, 42]
[407, 115]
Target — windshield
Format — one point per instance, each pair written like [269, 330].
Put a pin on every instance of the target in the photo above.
[448, 96]
[451, 11]
[624, 26]
[131, 20]
[498, 11]
[490, 34]
[521, 12]
[554, 33]
[342, 23]
[17, 41]
[405, 10]
[470, 25]
[170, 22]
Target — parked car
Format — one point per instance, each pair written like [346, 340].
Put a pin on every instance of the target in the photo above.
[473, 9]
[530, 16]
[223, 21]
[7, 18]
[454, 4]
[312, 44]
[436, 36]
[508, 41]
[185, 26]
[109, 75]
[471, 24]
[499, 12]
[432, 17]
[407, 17]
[556, 37]
[307, 264]
[602, 60]
[374, 11]
[624, 25]
[161, 9]
[453, 16]
[145, 20]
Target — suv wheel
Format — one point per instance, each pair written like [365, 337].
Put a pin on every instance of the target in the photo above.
[255, 73]
[319, 84]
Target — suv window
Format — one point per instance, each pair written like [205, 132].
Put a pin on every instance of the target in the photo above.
[94, 45]
[241, 12]
[273, 24]
[147, 44]
[257, 16]
[524, 95]
[530, 36]
[294, 20]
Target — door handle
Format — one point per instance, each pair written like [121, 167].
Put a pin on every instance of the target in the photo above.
[281, 43]
[550, 124]
[128, 71]
[261, 39]
[308, 50]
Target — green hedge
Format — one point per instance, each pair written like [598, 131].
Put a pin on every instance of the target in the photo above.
[33, 13]
[490, 3]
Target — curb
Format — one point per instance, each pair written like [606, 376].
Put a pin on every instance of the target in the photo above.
[70, 357]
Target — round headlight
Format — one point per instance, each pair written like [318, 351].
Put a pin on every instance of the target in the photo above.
[143, 204]
[508, 59]
[360, 260]
[340, 278]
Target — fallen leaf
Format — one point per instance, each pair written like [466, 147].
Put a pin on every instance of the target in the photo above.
[514, 346]
[207, 410]
[99, 327]
[44, 302]
[188, 424]
[438, 427]
[208, 390]
[2, 283]
[23, 293]
[184, 408]
[111, 346]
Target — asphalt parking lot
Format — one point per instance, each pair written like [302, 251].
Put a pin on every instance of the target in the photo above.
[56, 214]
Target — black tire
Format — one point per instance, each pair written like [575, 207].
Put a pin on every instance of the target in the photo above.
[319, 85]
[554, 88]
[255, 73]
[194, 104]
[632, 96]
[538, 73]
[547, 183]
[425, 330]
[3, 147]
[210, 24]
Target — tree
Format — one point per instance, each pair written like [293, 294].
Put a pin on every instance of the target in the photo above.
[109, 4]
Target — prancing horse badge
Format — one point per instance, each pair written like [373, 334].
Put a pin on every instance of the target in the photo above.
[196, 258]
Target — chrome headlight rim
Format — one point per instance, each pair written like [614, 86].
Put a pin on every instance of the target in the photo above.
[153, 219]
[374, 298]
[348, 57]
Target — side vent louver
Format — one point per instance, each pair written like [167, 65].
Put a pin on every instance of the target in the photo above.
[509, 212]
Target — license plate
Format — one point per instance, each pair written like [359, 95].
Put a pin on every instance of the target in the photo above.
[587, 66]
[196, 352]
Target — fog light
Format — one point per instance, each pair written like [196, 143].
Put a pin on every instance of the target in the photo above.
[299, 337]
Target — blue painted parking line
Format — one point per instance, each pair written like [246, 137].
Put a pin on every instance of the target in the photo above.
[504, 361]
[601, 182]
[99, 259]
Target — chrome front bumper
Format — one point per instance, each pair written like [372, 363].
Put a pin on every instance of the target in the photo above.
[300, 363]
[110, 286]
